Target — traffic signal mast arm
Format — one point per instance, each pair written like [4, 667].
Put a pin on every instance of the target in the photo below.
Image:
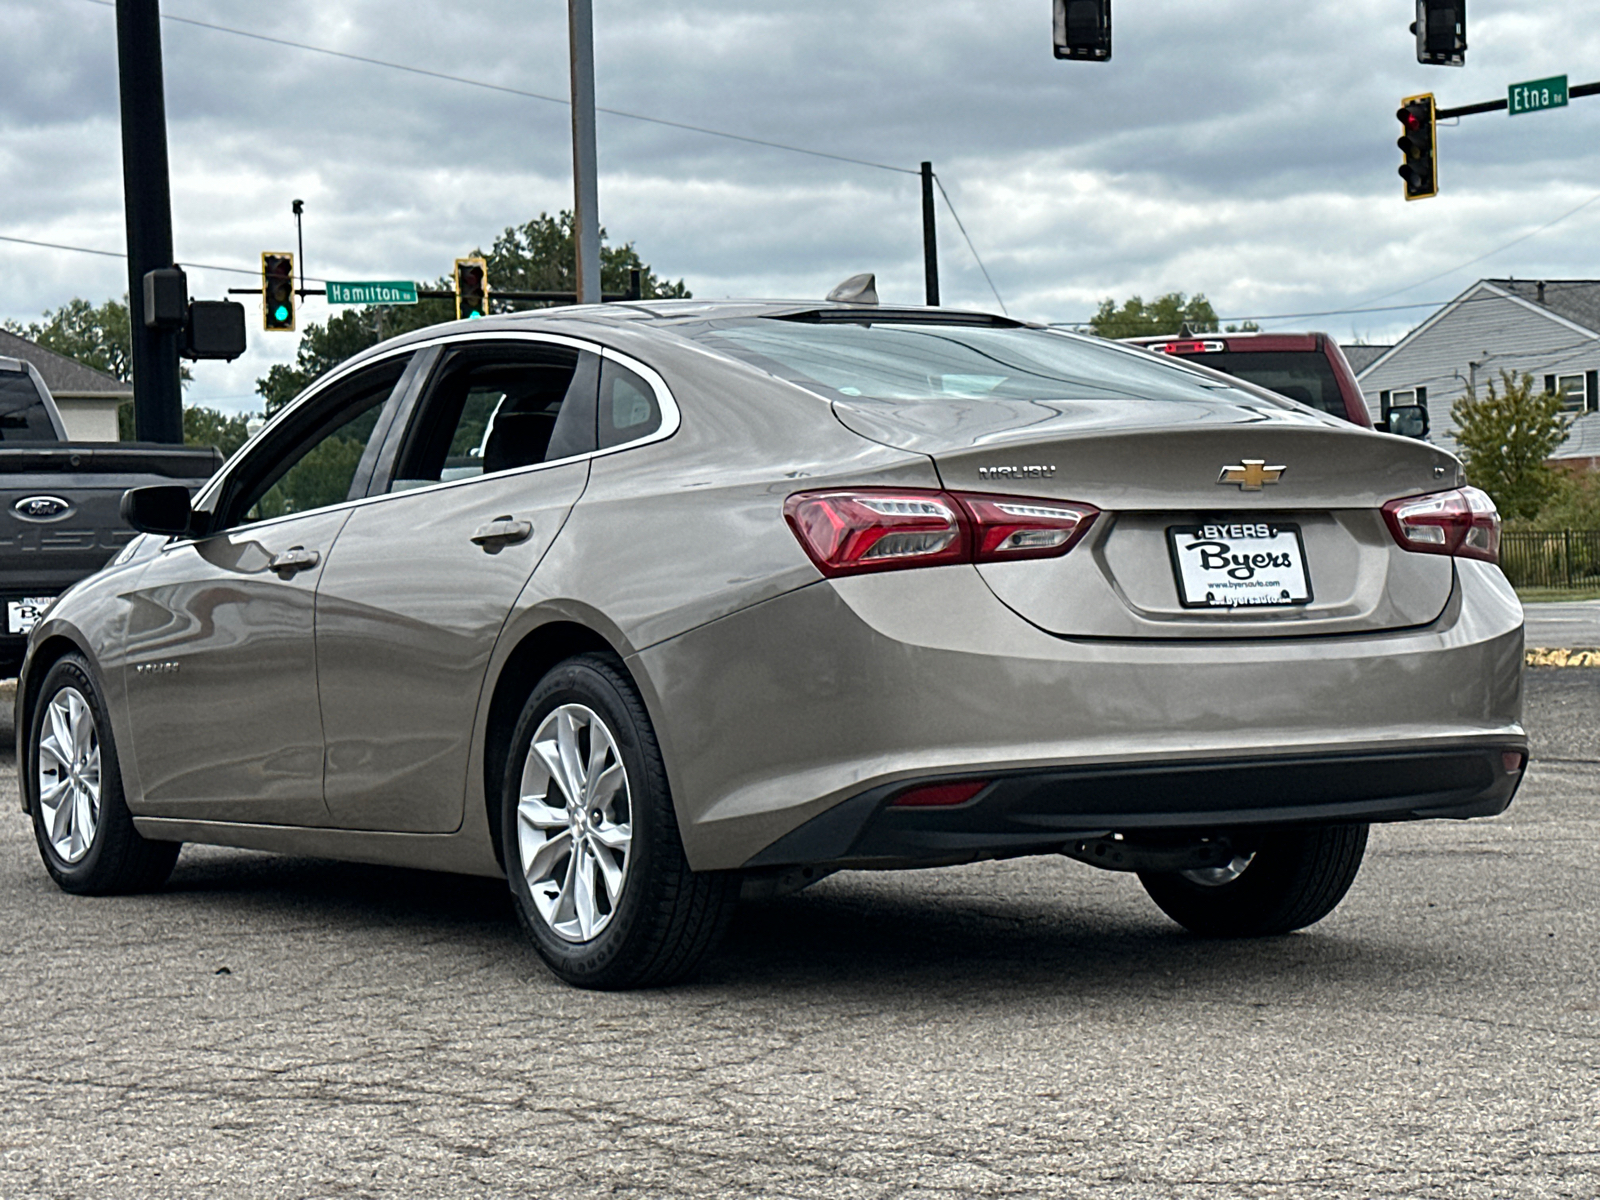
[1467, 110]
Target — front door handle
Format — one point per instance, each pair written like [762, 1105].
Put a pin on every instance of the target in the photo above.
[296, 558]
[502, 531]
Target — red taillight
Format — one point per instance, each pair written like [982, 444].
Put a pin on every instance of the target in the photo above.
[1007, 527]
[940, 795]
[1462, 523]
[880, 529]
[850, 532]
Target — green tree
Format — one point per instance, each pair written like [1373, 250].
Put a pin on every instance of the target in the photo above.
[536, 257]
[96, 337]
[1504, 440]
[1165, 314]
[99, 337]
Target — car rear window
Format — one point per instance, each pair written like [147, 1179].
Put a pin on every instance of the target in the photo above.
[23, 416]
[889, 360]
[1303, 375]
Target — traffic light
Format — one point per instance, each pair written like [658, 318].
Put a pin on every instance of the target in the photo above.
[472, 288]
[1083, 29]
[277, 291]
[1420, 170]
[1441, 29]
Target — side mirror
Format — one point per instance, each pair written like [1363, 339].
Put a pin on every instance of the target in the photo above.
[1409, 420]
[163, 508]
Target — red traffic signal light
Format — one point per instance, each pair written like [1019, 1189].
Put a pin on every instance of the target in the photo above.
[1420, 170]
[1083, 29]
[472, 288]
[277, 291]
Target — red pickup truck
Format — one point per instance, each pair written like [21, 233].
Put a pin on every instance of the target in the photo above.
[1308, 367]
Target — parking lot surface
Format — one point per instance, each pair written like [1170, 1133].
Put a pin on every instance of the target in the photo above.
[1572, 625]
[296, 1027]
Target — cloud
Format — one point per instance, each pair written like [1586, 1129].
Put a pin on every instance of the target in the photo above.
[1240, 148]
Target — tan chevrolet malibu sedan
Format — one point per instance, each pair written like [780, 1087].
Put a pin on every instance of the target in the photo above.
[648, 605]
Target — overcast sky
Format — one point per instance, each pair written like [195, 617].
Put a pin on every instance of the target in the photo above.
[1239, 148]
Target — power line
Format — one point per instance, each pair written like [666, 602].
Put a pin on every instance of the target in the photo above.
[511, 91]
[251, 271]
[1490, 254]
[970, 246]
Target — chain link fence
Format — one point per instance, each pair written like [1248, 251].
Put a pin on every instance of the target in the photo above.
[1569, 559]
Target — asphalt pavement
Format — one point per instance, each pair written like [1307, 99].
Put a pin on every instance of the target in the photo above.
[301, 1028]
[1570, 625]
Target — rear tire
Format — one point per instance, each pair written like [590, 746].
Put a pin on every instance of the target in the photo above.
[1294, 879]
[590, 838]
[80, 819]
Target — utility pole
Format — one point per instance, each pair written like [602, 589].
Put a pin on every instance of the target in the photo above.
[930, 244]
[586, 190]
[147, 202]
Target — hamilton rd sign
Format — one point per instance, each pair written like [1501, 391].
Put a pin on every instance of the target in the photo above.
[383, 292]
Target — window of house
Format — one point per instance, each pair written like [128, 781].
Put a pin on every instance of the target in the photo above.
[1403, 399]
[1573, 391]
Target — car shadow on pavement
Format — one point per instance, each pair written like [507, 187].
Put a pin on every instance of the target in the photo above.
[999, 948]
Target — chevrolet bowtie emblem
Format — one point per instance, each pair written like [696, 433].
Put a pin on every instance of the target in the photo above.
[1250, 474]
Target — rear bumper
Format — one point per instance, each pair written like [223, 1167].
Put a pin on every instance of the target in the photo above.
[776, 715]
[1039, 811]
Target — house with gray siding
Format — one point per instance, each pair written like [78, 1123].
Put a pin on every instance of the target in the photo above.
[1549, 329]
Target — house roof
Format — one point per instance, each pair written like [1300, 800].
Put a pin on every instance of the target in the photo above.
[1578, 300]
[62, 375]
[1362, 357]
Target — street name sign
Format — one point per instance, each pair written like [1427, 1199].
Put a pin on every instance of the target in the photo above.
[393, 291]
[1536, 95]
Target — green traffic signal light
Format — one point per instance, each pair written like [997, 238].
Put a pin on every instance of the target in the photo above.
[277, 291]
[472, 288]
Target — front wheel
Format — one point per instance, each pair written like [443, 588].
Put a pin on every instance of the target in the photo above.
[590, 838]
[84, 830]
[1289, 880]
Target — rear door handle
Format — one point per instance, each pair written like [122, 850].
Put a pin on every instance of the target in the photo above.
[296, 558]
[502, 531]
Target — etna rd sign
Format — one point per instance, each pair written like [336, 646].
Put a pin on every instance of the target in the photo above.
[1536, 95]
[383, 292]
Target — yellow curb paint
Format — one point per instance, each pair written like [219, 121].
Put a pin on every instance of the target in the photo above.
[1539, 657]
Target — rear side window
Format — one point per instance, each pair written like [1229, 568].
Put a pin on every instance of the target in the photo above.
[1302, 375]
[23, 416]
[629, 409]
[494, 407]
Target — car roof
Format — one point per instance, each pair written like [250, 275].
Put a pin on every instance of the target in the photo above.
[574, 319]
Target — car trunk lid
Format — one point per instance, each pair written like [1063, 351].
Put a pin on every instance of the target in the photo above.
[1164, 471]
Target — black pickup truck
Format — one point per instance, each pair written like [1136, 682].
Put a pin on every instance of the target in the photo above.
[60, 501]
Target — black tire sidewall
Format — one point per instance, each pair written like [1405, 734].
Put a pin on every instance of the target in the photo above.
[86, 874]
[1297, 877]
[587, 681]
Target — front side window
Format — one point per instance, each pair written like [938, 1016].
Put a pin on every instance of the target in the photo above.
[494, 407]
[315, 458]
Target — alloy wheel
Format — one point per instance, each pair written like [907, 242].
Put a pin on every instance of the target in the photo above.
[69, 775]
[1218, 876]
[574, 823]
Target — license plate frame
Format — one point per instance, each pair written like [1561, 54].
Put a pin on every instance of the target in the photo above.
[1217, 587]
[18, 623]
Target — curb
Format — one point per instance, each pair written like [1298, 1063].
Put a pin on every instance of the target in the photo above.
[1539, 657]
